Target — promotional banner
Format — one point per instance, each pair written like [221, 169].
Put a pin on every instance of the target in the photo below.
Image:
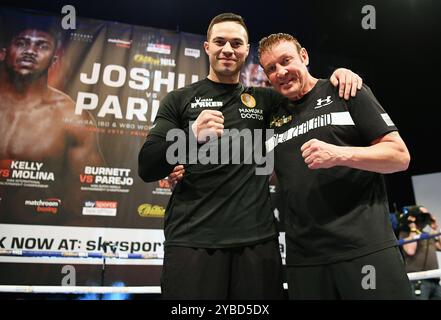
[75, 107]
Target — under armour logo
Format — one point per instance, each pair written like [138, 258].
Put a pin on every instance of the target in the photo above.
[320, 101]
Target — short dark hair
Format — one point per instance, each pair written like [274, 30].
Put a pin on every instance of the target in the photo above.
[223, 17]
[266, 43]
[14, 22]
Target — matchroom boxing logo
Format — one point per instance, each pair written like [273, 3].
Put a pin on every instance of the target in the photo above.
[45, 206]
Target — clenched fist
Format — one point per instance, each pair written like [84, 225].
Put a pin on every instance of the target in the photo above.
[209, 124]
[319, 154]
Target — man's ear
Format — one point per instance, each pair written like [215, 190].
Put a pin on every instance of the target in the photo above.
[304, 56]
[2, 54]
[206, 46]
[248, 51]
[54, 60]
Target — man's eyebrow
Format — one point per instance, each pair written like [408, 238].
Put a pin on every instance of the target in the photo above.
[29, 38]
[43, 41]
[222, 38]
[282, 56]
[21, 38]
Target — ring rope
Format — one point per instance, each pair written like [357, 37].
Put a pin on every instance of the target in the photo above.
[78, 289]
[73, 254]
[419, 237]
[429, 274]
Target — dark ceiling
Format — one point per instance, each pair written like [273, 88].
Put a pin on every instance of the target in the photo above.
[399, 60]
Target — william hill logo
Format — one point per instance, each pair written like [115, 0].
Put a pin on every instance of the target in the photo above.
[149, 210]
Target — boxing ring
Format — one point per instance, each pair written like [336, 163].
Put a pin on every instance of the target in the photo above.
[137, 289]
[78, 289]
[429, 274]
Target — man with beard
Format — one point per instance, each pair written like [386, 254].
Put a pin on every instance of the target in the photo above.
[39, 129]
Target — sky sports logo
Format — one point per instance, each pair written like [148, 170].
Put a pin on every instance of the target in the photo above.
[100, 208]
[158, 48]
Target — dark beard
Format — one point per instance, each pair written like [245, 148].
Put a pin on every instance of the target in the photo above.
[21, 82]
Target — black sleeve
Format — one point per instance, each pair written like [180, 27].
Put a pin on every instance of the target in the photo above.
[152, 162]
[275, 101]
[168, 116]
[369, 116]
